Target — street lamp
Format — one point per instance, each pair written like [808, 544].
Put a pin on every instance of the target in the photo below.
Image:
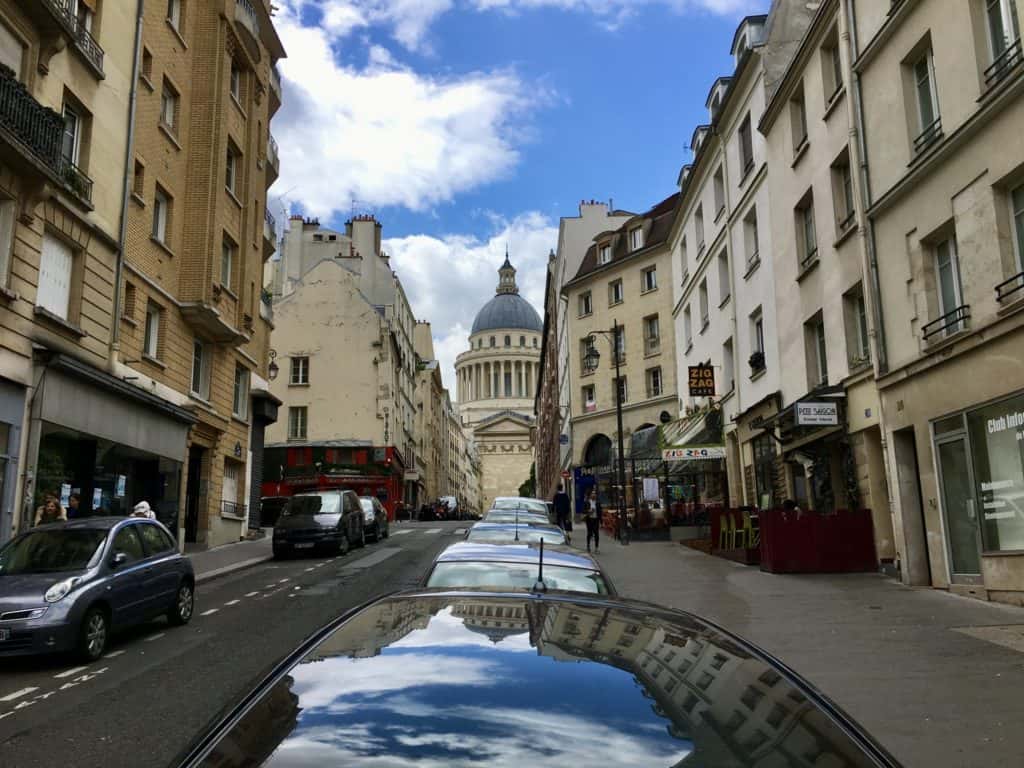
[590, 361]
[272, 369]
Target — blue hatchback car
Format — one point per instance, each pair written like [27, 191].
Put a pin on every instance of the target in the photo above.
[68, 586]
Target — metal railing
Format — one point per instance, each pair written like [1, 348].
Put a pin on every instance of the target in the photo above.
[275, 82]
[1008, 288]
[810, 258]
[269, 225]
[272, 156]
[246, 15]
[1004, 63]
[266, 310]
[232, 509]
[947, 324]
[652, 345]
[87, 44]
[846, 222]
[76, 180]
[37, 127]
[928, 136]
[61, 10]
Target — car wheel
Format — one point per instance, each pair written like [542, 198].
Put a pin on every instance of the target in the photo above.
[180, 613]
[93, 634]
[343, 544]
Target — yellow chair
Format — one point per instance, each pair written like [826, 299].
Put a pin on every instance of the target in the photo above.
[726, 531]
[746, 533]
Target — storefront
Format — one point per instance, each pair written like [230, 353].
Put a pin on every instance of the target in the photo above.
[12, 410]
[104, 441]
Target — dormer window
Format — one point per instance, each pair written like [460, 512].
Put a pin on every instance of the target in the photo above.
[604, 253]
[636, 238]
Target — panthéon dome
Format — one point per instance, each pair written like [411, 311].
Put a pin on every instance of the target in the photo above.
[507, 310]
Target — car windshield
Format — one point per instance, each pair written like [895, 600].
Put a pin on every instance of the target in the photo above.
[534, 506]
[366, 504]
[313, 504]
[513, 516]
[470, 575]
[526, 534]
[51, 551]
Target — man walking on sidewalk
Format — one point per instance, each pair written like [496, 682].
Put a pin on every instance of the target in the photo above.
[592, 519]
[563, 512]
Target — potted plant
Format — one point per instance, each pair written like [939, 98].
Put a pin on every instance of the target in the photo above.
[757, 361]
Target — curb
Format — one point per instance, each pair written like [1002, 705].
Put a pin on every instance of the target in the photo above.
[223, 571]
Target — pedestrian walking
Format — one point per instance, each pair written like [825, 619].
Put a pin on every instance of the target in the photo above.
[592, 519]
[563, 512]
[50, 511]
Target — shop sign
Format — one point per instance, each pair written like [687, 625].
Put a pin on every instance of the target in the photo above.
[65, 494]
[97, 497]
[698, 452]
[379, 455]
[701, 381]
[817, 414]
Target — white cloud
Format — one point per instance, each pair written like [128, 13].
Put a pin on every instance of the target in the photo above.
[383, 134]
[448, 278]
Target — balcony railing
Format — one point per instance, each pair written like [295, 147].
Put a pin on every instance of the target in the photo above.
[809, 258]
[269, 226]
[76, 180]
[87, 44]
[61, 11]
[846, 222]
[245, 14]
[275, 82]
[34, 126]
[1011, 289]
[1004, 64]
[948, 324]
[232, 509]
[272, 156]
[928, 136]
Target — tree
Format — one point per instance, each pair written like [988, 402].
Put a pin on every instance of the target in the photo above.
[529, 488]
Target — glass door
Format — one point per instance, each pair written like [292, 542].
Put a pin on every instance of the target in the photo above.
[960, 507]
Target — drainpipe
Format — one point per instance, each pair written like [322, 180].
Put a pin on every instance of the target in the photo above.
[115, 336]
[865, 194]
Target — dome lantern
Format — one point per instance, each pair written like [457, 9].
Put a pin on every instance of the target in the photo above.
[507, 310]
[507, 277]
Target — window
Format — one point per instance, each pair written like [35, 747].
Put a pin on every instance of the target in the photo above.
[652, 335]
[522, 341]
[231, 169]
[636, 238]
[728, 376]
[764, 469]
[174, 13]
[201, 369]
[297, 419]
[240, 400]
[508, 341]
[1016, 208]
[831, 66]
[8, 210]
[807, 238]
[817, 356]
[750, 239]
[508, 383]
[147, 66]
[139, 179]
[169, 107]
[856, 315]
[151, 339]
[649, 279]
[703, 294]
[842, 192]
[746, 145]
[156, 541]
[56, 263]
[587, 395]
[127, 542]
[586, 304]
[494, 341]
[604, 254]
[757, 356]
[688, 327]
[698, 223]
[300, 371]
[929, 125]
[724, 289]
[1003, 26]
[227, 261]
[585, 346]
[535, 342]
[947, 281]
[798, 118]
[719, 192]
[619, 352]
[615, 294]
[12, 51]
[72, 138]
[161, 216]
[621, 390]
[683, 262]
[236, 82]
[654, 388]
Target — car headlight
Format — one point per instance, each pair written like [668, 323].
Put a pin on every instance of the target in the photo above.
[60, 589]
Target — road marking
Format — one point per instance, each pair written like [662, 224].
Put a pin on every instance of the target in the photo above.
[282, 581]
[252, 594]
[207, 613]
[18, 694]
[377, 557]
[232, 602]
[270, 586]
[401, 533]
[69, 673]
[113, 654]
[433, 530]
[310, 569]
[459, 531]
[151, 638]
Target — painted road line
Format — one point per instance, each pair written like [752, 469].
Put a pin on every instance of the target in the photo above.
[232, 602]
[459, 532]
[151, 638]
[207, 613]
[433, 530]
[69, 673]
[282, 581]
[377, 557]
[113, 654]
[310, 568]
[252, 594]
[400, 533]
[18, 694]
[270, 586]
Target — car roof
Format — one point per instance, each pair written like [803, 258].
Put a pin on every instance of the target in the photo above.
[492, 526]
[483, 552]
[85, 523]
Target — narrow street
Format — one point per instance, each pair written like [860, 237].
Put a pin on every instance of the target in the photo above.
[158, 686]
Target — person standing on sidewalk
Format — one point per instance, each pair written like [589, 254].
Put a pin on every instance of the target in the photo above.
[563, 512]
[593, 521]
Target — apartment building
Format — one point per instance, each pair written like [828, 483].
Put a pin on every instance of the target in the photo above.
[429, 436]
[547, 434]
[941, 88]
[619, 304]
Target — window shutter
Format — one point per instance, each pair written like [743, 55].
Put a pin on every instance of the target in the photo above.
[55, 262]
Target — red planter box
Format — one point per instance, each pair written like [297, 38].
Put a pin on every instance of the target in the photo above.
[808, 542]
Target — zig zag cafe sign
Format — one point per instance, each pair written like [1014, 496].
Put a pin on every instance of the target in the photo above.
[693, 453]
[701, 381]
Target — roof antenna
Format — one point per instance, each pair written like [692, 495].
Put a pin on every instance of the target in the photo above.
[517, 522]
[540, 586]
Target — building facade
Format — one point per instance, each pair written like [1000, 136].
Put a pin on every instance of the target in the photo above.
[547, 434]
[497, 378]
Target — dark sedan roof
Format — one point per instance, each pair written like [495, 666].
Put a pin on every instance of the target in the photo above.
[480, 552]
[95, 523]
[495, 679]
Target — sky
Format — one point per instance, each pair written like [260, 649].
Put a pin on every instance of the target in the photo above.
[469, 126]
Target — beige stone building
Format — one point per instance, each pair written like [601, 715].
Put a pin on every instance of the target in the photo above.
[941, 86]
[497, 378]
[430, 424]
[624, 278]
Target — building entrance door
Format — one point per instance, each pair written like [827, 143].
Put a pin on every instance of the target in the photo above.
[194, 499]
[960, 507]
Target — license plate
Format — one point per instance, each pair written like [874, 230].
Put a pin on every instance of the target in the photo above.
[5, 634]
[306, 545]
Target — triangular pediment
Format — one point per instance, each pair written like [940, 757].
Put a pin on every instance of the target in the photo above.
[503, 423]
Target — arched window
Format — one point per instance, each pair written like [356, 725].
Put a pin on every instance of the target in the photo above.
[493, 341]
[598, 452]
[522, 341]
[508, 341]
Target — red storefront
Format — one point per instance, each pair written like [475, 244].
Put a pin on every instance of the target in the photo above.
[369, 471]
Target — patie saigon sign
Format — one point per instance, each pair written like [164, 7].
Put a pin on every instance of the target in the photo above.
[817, 414]
[701, 381]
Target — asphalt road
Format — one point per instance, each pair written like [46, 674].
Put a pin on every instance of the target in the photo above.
[158, 686]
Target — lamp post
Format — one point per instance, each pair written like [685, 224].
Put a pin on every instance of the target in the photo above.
[272, 369]
[591, 360]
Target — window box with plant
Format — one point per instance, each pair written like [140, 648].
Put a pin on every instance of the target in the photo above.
[757, 362]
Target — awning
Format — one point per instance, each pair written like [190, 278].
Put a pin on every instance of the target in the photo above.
[695, 438]
[817, 414]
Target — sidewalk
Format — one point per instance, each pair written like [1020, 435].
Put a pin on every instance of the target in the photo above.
[937, 679]
[210, 563]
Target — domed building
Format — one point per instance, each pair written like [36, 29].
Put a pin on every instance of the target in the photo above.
[497, 380]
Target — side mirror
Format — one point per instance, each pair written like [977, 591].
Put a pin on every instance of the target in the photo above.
[119, 559]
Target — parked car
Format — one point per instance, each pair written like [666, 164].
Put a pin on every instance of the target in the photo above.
[67, 586]
[520, 516]
[375, 518]
[468, 565]
[483, 679]
[270, 510]
[509, 533]
[521, 502]
[329, 521]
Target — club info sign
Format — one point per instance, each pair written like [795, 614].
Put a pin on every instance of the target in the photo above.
[817, 414]
[693, 453]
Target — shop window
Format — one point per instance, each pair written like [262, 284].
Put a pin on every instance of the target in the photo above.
[201, 364]
[300, 371]
[240, 399]
[297, 420]
[995, 444]
[151, 339]
[764, 469]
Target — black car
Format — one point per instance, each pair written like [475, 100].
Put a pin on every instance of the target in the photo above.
[67, 586]
[330, 521]
[375, 518]
[487, 679]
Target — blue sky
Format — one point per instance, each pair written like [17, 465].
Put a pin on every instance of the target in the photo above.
[466, 124]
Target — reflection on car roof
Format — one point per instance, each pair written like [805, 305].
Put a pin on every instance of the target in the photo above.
[472, 551]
